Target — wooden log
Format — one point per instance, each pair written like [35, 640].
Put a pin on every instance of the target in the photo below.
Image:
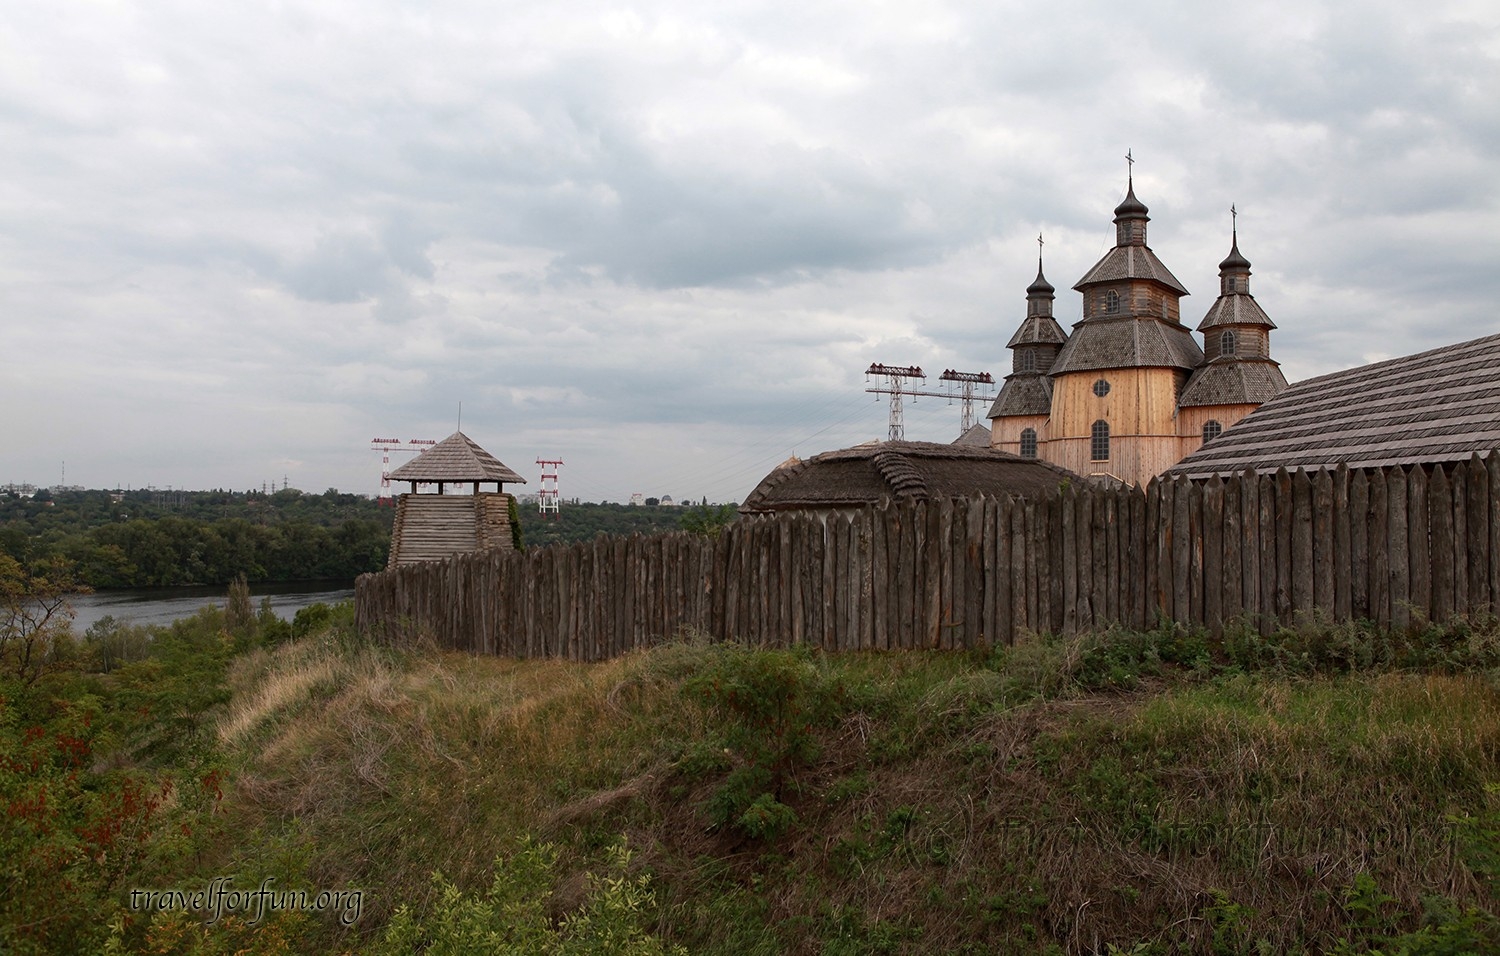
[1492, 474]
[1098, 511]
[1044, 569]
[865, 558]
[1400, 564]
[950, 531]
[1418, 550]
[1232, 551]
[1084, 525]
[1166, 548]
[1049, 547]
[1195, 553]
[1360, 573]
[935, 556]
[1036, 589]
[976, 626]
[1249, 485]
[1267, 533]
[1343, 602]
[1477, 541]
[1459, 478]
[1113, 558]
[1153, 606]
[1440, 531]
[786, 583]
[1285, 562]
[879, 547]
[1303, 572]
[1380, 554]
[904, 579]
[848, 637]
[1213, 555]
[1322, 544]
[1068, 502]
[989, 544]
[997, 569]
[1141, 537]
[1182, 551]
[1019, 560]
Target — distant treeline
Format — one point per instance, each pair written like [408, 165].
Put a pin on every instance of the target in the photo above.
[584, 521]
[157, 538]
[165, 538]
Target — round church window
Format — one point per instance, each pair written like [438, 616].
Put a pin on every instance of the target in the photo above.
[1101, 388]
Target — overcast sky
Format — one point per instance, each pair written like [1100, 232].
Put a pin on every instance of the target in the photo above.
[663, 241]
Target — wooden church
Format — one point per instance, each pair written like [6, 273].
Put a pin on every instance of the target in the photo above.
[1130, 392]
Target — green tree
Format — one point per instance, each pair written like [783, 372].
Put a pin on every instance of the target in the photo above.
[35, 618]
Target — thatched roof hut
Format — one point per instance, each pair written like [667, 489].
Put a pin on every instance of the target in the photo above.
[864, 474]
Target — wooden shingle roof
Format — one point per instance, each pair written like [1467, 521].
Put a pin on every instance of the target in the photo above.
[852, 477]
[1130, 262]
[1233, 382]
[1437, 406]
[1024, 393]
[1128, 342]
[454, 459]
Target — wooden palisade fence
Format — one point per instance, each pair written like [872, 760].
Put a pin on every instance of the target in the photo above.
[1383, 545]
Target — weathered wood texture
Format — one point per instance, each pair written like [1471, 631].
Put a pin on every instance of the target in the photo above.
[1398, 546]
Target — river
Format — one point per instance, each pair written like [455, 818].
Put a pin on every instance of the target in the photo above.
[164, 605]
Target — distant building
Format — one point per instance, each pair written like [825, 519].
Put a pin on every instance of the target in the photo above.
[1130, 392]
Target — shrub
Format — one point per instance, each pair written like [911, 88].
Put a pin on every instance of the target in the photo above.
[767, 704]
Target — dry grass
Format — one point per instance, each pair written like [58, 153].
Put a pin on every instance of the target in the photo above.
[940, 815]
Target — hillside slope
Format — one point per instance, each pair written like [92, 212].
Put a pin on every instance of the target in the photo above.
[1132, 792]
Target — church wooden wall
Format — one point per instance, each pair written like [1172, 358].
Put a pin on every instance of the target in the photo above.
[1005, 433]
[1190, 422]
[1140, 409]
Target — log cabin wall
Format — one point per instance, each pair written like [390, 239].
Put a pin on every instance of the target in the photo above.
[1395, 546]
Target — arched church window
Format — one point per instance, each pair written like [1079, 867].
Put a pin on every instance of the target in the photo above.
[1028, 443]
[1211, 430]
[1227, 343]
[1099, 441]
[1027, 359]
[1112, 302]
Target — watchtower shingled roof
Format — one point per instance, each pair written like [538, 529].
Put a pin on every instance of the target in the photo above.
[456, 459]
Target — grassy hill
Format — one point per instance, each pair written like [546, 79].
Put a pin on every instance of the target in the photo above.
[1328, 789]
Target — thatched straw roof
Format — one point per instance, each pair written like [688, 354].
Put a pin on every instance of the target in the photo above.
[456, 458]
[865, 474]
[1436, 406]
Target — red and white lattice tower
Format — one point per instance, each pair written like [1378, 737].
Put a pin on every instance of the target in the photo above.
[547, 498]
[387, 445]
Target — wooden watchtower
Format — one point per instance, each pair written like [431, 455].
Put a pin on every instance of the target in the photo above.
[429, 526]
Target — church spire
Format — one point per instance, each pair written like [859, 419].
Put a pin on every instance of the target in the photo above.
[1130, 215]
[1234, 271]
[1039, 294]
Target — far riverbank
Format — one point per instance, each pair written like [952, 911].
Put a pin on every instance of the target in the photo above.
[158, 606]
